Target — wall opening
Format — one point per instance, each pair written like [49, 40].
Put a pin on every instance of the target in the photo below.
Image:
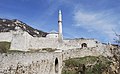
[56, 65]
[84, 45]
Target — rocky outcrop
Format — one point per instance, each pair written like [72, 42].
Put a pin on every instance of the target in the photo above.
[7, 25]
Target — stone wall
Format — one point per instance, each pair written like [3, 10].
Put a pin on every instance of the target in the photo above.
[30, 63]
[45, 62]
[77, 43]
[6, 36]
[82, 52]
[21, 40]
[38, 43]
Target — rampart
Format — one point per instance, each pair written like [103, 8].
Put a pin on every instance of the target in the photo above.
[21, 40]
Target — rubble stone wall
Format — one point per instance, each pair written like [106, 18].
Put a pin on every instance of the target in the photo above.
[30, 63]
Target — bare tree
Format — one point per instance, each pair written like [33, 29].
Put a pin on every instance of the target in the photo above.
[117, 40]
[117, 54]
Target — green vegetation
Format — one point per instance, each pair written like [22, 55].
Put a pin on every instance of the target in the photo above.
[4, 46]
[49, 49]
[86, 65]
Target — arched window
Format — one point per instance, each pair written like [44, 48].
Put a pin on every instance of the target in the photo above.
[56, 65]
[84, 45]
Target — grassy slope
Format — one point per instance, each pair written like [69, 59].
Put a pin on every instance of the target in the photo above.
[86, 65]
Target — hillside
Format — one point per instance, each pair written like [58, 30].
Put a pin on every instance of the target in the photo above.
[7, 25]
[93, 64]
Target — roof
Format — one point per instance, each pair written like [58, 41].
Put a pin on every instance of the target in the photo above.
[53, 32]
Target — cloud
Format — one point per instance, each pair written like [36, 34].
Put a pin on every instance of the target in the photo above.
[103, 22]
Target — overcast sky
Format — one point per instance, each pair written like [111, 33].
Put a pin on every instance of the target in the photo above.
[81, 18]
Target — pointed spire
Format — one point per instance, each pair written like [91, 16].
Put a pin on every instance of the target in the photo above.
[60, 16]
[59, 11]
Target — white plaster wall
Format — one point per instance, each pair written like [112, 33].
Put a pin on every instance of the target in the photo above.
[20, 41]
[29, 63]
[90, 43]
[76, 43]
[38, 43]
[6, 36]
[52, 35]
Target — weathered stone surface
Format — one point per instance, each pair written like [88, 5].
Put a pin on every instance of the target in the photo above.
[29, 63]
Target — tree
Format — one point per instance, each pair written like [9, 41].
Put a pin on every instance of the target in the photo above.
[117, 40]
[116, 55]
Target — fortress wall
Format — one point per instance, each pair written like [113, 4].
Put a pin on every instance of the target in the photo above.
[38, 43]
[90, 43]
[77, 43]
[6, 36]
[94, 51]
[23, 41]
[20, 41]
[30, 63]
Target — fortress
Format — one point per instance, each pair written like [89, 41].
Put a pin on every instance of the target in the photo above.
[22, 40]
[44, 62]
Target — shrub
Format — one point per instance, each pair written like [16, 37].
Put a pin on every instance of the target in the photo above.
[86, 65]
[4, 46]
[49, 49]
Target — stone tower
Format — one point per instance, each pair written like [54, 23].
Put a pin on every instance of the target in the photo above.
[60, 36]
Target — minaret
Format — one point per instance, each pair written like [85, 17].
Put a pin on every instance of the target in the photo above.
[60, 36]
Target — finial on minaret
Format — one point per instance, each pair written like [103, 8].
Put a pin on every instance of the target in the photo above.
[60, 16]
[60, 37]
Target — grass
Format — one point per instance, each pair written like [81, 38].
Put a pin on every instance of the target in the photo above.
[86, 65]
[4, 46]
[82, 60]
[49, 49]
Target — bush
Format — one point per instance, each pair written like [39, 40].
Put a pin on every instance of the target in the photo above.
[4, 46]
[86, 65]
[49, 49]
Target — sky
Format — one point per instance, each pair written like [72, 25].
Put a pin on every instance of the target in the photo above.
[97, 19]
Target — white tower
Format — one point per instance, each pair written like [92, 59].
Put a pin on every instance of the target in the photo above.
[60, 36]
